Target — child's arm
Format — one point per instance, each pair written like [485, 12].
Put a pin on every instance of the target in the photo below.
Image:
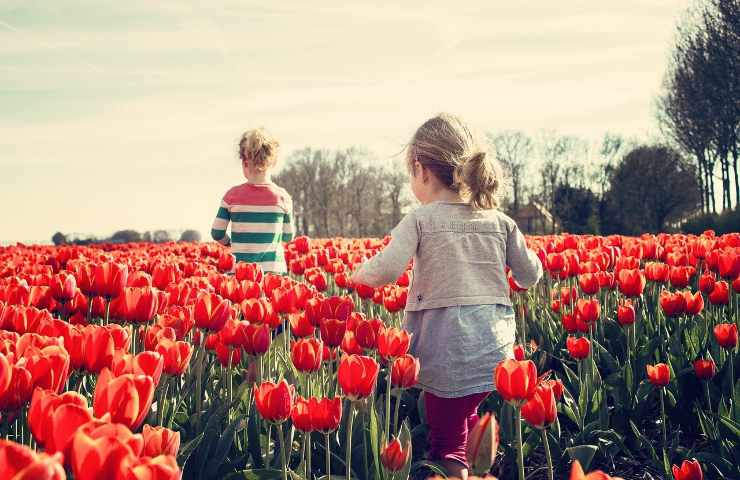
[525, 266]
[288, 227]
[218, 231]
[390, 263]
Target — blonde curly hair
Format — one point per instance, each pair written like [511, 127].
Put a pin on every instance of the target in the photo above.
[259, 148]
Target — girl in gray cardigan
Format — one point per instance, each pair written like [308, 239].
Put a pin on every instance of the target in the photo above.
[458, 311]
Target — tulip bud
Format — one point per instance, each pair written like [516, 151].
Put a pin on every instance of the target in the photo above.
[482, 445]
[393, 456]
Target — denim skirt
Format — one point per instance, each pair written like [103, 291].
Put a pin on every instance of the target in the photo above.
[459, 347]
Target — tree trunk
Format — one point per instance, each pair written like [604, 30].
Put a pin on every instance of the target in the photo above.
[734, 168]
[702, 189]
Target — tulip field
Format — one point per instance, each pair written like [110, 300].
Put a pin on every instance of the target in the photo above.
[143, 361]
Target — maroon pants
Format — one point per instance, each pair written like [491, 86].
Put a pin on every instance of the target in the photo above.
[450, 420]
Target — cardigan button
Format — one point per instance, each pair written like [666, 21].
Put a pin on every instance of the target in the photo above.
[418, 298]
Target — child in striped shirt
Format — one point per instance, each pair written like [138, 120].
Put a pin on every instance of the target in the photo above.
[260, 212]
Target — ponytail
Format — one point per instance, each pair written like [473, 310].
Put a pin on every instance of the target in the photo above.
[481, 178]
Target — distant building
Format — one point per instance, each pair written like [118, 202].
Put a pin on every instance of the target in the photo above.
[535, 219]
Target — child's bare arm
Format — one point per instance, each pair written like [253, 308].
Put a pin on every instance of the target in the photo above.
[220, 223]
[390, 263]
[525, 266]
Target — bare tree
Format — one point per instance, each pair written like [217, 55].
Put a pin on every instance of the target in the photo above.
[513, 149]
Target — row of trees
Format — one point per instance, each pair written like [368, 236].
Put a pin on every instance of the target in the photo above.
[614, 186]
[343, 192]
[700, 105]
[126, 236]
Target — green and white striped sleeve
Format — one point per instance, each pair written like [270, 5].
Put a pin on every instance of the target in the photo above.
[288, 228]
[218, 231]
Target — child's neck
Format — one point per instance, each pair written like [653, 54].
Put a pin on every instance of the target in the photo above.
[445, 195]
[258, 178]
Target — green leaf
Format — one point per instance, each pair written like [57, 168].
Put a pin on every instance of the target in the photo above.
[223, 447]
[434, 467]
[253, 439]
[405, 438]
[187, 449]
[733, 427]
[583, 453]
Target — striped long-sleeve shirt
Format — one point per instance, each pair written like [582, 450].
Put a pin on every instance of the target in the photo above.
[261, 220]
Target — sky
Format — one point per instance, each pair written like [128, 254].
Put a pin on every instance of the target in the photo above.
[126, 114]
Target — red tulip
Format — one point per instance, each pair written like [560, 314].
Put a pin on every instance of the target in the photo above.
[164, 275]
[706, 282]
[314, 414]
[326, 413]
[579, 348]
[350, 346]
[516, 380]
[136, 305]
[705, 369]
[63, 287]
[689, 470]
[332, 331]
[393, 456]
[19, 390]
[659, 374]
[274, 401]
[588, 310]
[306, 354]
[694, 302]
[109, 279]
[589, 283]
[728, 264]
[631, 282]
[176, 356]
[127, 397]
[367, 332]
[541, 410]
[256, 339]
[519, 353]
[160, 441]
[673, 304]
[211, 311]
[6, 374]
[18, 462]
[720, 294]
[49, 429]
[393, 342]
[104, 457]
[357, 375]
[163, 467]
[482, 444]
[248, 271]
[657, 272]
[726, 335]
[626, 313]
[576, 473]
[300, 326]
[145, 363]
[405, 371]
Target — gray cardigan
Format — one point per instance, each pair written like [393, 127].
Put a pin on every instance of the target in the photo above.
[460, 255]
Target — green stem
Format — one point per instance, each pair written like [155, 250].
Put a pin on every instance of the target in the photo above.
[328, 456]
[663, 428]
[519, 450]
[160, 400]
[395, 413]
[283, 447]
[107, 311]
[307, 452]
[388, 402]
[706, 393]
[546, 444]
[348, 459]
